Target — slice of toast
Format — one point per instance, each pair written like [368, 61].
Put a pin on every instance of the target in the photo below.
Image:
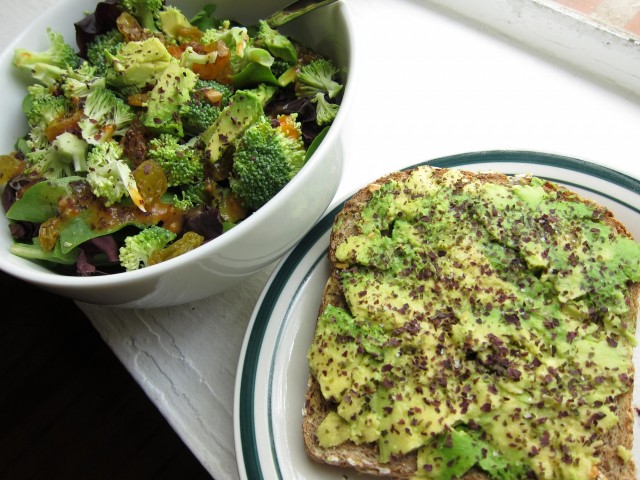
[365, 457]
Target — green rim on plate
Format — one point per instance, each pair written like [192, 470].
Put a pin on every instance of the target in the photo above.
[264, 310]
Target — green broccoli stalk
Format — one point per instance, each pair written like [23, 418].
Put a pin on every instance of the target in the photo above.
[173, 89]
[65, 157]
[74, 148]
[105, 116]
[181, 163]
[325, 111]
[111, 41]
[264, 161]
[137, 249]
[145, 11]
[109, 174]
[318, 76]
[48, 66]
[190, 57]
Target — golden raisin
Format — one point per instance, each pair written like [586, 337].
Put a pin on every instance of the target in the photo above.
[138, 99]
[189, 241]
[151, 181]
[190, 33]
[231, 208]
[221, 69]
[63, 124]
[176, 51]
[49, 234]
[130, 28]
[10, 166]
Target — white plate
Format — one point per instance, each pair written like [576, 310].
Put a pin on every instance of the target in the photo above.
[272, 373]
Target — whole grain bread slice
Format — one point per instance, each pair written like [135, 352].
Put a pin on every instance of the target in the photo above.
[365, 458]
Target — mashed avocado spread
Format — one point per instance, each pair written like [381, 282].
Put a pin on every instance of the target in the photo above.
[487, 327]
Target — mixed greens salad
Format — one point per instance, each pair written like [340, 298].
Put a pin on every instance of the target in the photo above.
[157, 133]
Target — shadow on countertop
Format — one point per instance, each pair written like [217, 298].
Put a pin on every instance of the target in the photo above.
[68, 408]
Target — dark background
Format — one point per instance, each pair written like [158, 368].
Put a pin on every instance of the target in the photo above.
[68, 407]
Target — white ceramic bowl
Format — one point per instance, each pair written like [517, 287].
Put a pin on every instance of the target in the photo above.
[251, 246]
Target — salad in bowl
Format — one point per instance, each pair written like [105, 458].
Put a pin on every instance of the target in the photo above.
[158, 132]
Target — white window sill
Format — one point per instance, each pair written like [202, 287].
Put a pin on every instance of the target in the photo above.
[609, 54]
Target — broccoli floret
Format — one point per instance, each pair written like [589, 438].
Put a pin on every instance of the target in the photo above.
[66, 156]
[207, 99]
[279, 67]
[181, 163]
[275, 42]
[41, 110]
[109, 174]
[34, 91]
[226, 91]
[137, 249]
[111, 41]
[325, 111]
[318, 76]
[189, 197]
[105, 116]
[78, 83]
[264, 161]
[198, 114]
[170, 93]
[45, 108]
[48, 66]
[145, 11]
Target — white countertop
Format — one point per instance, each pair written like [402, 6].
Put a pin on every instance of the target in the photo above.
[428, 85]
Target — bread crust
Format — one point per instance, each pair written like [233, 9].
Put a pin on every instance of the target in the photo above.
[364, 458]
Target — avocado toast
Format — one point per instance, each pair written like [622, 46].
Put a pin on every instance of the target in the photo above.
[475, 326]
